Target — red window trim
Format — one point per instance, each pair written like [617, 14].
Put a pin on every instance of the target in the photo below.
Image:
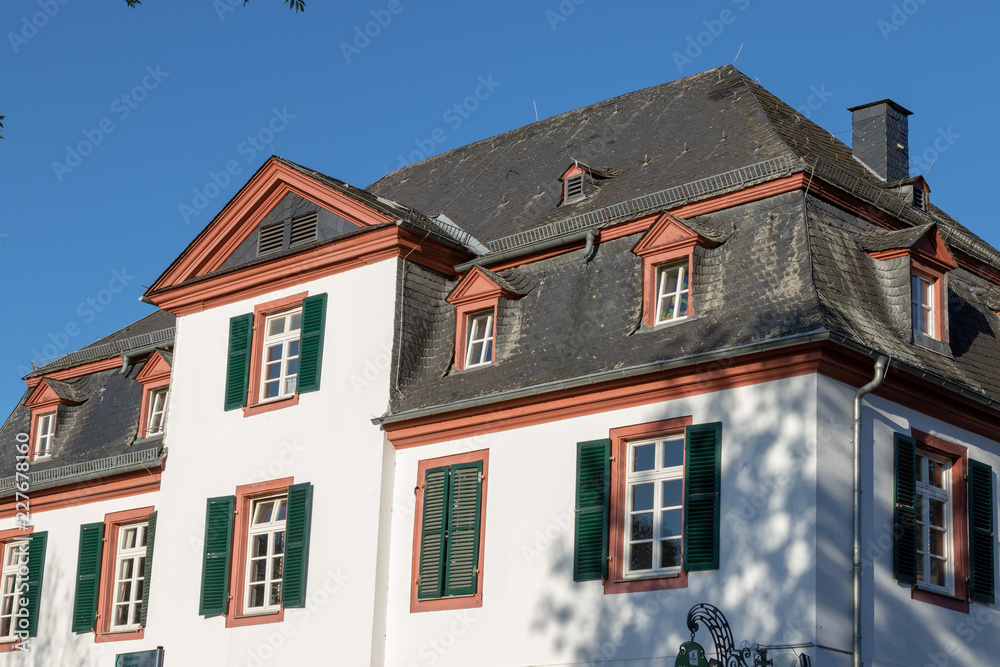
[37, 413]
[618, 502]
[463, 314]
[113, 522]
[6, 536]
[940, 309]
[245, 495]
[260, 314]
[476, 293]
[465, 602]
[959, 457]
[152, 377]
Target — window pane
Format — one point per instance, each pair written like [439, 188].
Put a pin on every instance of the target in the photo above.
[642, 497]
[282, 507]
[271, 389]
[259, 548]
[256, 596]
[938, 573]
[920, 539]
[673, 453]
[292, 368]
[935, 474]
[673, 493]
[276, 567]
[672, 275]
[125, 570]
[277, 326]
[643, 458]
[488, 354]
[279, 542]
[258, 570]
[682, 310]
[642, 526]
[275, 593]
[671, 522]
[920, 468]
[667, 308]
[936, 542]
[293, 348]
[121, 615]
[296, 321]
[128, 538]
[671, 554]
[263, 513]
[642, 556]
[274, 352]
[937, 517]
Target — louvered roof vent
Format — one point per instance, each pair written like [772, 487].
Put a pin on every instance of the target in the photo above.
[271, 238]
[300, 230]
[303, 229]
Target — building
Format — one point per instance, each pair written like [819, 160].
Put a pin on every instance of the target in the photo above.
[531, 402]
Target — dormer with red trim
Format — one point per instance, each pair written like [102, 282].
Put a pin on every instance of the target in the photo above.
[930, 261]
[155, 380]
[476, 300]
[572, 180]
[667, 252]
[49, 395]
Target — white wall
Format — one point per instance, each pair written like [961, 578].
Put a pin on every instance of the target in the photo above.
[534, 614]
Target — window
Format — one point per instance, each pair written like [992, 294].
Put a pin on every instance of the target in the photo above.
[479, 348]
[113, 571]
[448, 532]
[671, 292]
[647, 505]
[654, 492]
[265, 555]
[45, 435]
[10, 595]
[130, 566]
[281, 355]
[21, 570]
[256, 550]
[275, 353]
[942, 522]
[157, 410]
[922, 304]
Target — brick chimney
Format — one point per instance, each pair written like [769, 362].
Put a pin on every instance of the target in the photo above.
[881, 138]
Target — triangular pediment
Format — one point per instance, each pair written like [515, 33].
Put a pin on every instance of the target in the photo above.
[479, 284]
[43, 395]
[932, 246]
[276, 184]
[54, 392]
[926, 246]
[667, 233]
[157, 367]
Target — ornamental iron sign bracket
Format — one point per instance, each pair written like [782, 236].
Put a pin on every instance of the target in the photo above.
[691, 654]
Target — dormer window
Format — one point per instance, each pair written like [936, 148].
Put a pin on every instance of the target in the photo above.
[573, 189]
[672, 292]
[157, 410]
[919, 202]
[155, 380]
[479, 348]
[922, 301]
[45, 434]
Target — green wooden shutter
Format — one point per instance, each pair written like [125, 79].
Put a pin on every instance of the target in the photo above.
[311, 350]
[904, 512]
[299, 517]
[464, 515]
[88, 572]
[36, 568]
[147, 572]
[433, 528]
[593, 494]
[238, 368]
[702, 491]
[981, 533]
[218, 548]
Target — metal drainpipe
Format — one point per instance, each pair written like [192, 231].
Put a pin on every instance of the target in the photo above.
[880, 367]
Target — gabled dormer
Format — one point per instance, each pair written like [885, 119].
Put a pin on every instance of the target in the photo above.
[572, 180]
[929, 264]
[667, 252]
[155, 380]
[49, 395]
[476, 300]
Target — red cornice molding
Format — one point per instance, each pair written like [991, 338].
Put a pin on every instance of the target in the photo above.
[248, 208]
[81, 493]
[367, 247]
[826, 359]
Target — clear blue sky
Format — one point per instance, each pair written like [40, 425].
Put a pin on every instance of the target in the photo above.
[117, 118]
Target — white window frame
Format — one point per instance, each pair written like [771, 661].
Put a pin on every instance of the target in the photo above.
[656, 476]
[135, 556]
[922, 290]
[269, 528]
[682, 291]
[287, 382]
[924, 492]
[486, 341]
[9, 589]
[45, 437]
[157, 415]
